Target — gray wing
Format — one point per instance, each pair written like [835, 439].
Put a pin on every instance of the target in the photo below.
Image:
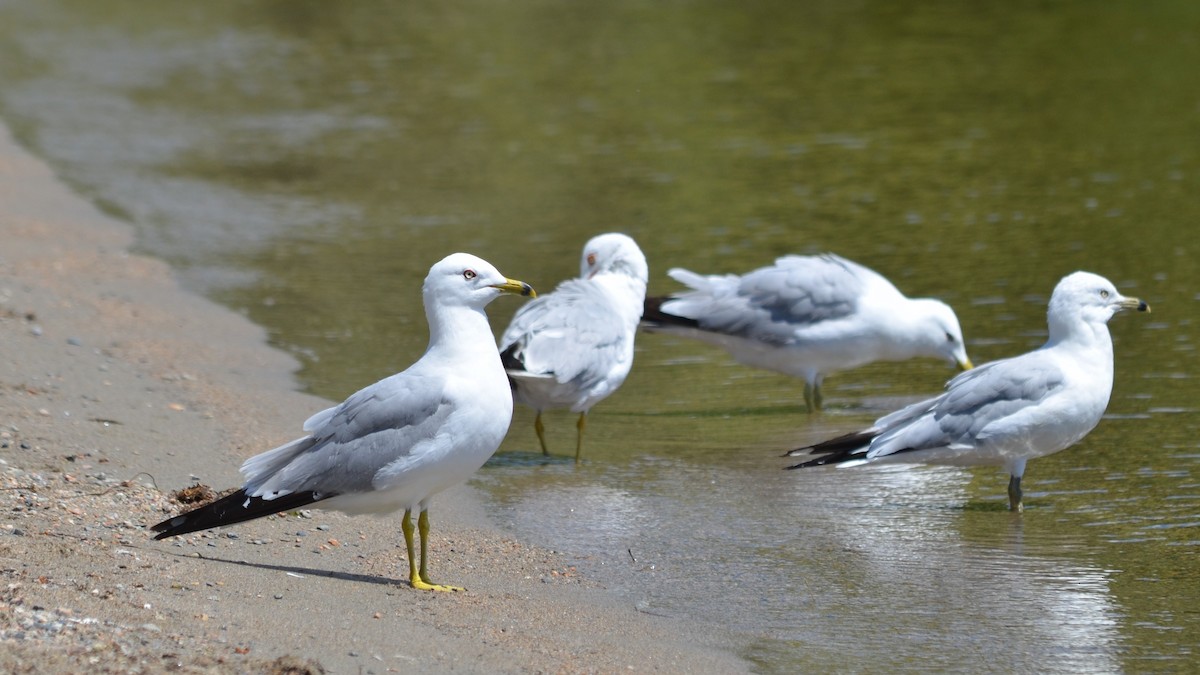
[772, 303]
[574, 334]
[351, 442]
[976, 404]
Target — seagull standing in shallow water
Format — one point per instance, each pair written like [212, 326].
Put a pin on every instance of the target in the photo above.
[573, 347]
[1008, 411]
[401, 440]
[808, 316]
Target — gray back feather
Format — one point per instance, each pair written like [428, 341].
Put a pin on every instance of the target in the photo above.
[973, 400]
[368, 431]
[770, 304]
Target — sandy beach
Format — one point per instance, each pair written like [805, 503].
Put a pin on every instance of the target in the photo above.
[117, 388]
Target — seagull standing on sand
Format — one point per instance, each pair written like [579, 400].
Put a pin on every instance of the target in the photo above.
[401, 440]
[573, 347]
[1010, 411]
[808, 316]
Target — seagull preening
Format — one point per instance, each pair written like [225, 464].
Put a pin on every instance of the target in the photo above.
[808, 316]
[398, 442]
[1010, 411]
[573, 347]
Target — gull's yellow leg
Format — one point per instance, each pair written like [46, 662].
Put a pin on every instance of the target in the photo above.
[580, 426]
[541, 432]
[423, 529]
[406, 527]
[417, 578]
[1014, 494]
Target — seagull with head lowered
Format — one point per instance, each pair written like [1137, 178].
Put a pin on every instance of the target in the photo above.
[573, 347]
[398, 442]
[808, 316]
[1010, 411]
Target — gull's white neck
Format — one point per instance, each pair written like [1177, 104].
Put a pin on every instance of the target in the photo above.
[1090, 346]
[630, 292]
[461, 332]
[1079, 333]
[908, 334]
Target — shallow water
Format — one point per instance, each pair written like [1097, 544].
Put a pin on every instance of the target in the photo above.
[305, 162]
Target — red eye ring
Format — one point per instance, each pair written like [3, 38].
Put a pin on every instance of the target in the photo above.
[591, 259]
[469, 274]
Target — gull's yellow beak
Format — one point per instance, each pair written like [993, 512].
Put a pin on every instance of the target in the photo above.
[965, 364]
[1134, 304]
[516, 287]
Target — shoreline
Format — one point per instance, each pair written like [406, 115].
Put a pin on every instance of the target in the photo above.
[118, 387]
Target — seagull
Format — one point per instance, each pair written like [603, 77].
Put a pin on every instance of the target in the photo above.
[1010, 411]
[808, 316]
[398, 442]
[573, 347]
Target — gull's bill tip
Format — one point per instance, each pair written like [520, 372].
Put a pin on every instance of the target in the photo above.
[1134, 304]
[965, 364]
[517, 287]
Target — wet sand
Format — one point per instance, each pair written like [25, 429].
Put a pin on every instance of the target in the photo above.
[117, 388]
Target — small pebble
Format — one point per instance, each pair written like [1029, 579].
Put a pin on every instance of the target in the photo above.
[74, 341]
[279, 596]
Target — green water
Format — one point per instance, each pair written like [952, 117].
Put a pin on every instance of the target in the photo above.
[305, 162]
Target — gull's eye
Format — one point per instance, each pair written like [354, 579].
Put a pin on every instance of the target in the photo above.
[1104, 294]
[469, 274]
[591, 259]
[949, 337]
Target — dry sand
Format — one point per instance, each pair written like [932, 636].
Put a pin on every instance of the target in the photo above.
[117, 387]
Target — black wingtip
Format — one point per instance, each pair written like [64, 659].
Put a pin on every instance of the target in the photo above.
[835, 450]
[231, 509]
[510, 358]
[820, 461]
[653, 315]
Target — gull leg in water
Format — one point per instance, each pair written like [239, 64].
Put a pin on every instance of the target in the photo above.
[579, 427]
[1014, 494]
[1016, 469]
[540, 428]
[813, 399]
